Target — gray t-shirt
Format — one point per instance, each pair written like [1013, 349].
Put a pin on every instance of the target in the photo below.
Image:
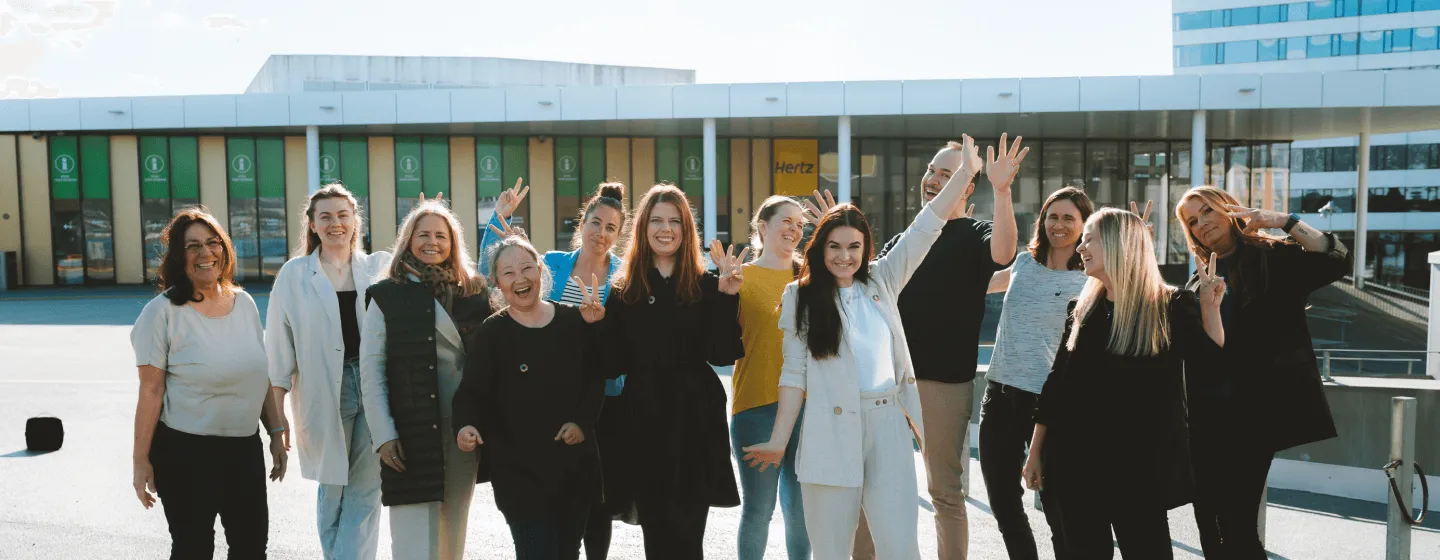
[1031, 323]
[215, 369]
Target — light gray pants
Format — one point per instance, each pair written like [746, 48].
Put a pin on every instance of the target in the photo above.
[436, 530]
[888, 494]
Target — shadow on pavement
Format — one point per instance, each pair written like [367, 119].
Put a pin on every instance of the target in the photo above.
[24, 453]
[1342, 508]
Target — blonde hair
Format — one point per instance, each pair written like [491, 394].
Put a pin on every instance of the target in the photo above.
[1217, 199]
[1142, 298]
[312, 239]
[459, 260]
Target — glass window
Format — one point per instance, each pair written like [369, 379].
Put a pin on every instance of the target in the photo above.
[1314, 160]
[270, 205]
[1323, 9]
[567, 189]
[1105, 174]
[1342, 159]
[98, 222]
[1271, 14]
[1296, 48]
[1269, 49]
[1424, 39]
[1388, 158]
[1149, 177]
[1424, 5]
[1399, 40]
[1195, 55]
[1347, 8]
[1402, 6]
[1063, 166]
[1196, 20]
[1349, 44]
[882, 186]
[1244, 16]
[1319, 47]
[1373, 7]
[1178, 250]
[1419, 157]
[1209, 54]
[1240, 52]
[1297, 11]
[918, 154]
[154, 198]
[1372, 42]
[244, 207]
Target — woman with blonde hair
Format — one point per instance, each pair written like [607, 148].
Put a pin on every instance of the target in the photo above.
[1267, 395]
[418, 324]
[1127, 345]
[313, 310]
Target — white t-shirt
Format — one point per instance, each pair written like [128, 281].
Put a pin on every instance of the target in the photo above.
[215, 369]
[870, 339]
[1031, 323]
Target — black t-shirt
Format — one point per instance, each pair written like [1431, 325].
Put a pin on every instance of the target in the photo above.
[944, 304]
[349, 326]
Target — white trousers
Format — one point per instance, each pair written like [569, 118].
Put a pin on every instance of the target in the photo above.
[436, 530]
[889, 494]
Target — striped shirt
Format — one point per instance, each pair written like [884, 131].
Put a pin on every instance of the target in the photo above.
[574, 294]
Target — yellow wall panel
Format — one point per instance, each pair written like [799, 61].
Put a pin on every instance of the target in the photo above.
[214, 185]
[462, 190]
[382, 193]
[125, 196]
[297, 190]
[742, 207]
[642, 165]
[10, 216]
[760, 173]
[39, 258]
[617, 165]
[542, 194]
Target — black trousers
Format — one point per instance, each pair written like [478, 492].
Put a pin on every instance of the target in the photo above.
[672, 531]
[1006, 425]
[1229, 482]
[548, 537]
[1142, 534]
[199, 477]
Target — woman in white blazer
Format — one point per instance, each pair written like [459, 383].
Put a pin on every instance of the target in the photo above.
[846, 360]
[312, 340]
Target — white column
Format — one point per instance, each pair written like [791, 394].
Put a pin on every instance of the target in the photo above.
[1432, 334]
[312, 158]
[1362, 198]
[711, 199]
[844, 168]
[1197, 158]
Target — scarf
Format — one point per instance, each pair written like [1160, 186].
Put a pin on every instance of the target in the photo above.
[440, 279]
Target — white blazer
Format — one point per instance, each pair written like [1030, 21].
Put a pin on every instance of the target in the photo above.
[306, 351]
[830, 434]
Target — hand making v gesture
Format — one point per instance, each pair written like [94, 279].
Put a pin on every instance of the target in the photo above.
[728, 265]
[1212, 286]
[510, 198]
[590, 307]
[507, 230]
[1144, 216]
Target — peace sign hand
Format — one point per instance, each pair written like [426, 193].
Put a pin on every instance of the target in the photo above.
[1212, 286]
[590, 307]
[728, 265]
[510, 198]
[1003, 168]
[508, 230]
[824, 201]
[1257, 219]
[1144, 216]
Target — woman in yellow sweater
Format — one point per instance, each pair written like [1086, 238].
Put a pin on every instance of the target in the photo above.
[778, 225]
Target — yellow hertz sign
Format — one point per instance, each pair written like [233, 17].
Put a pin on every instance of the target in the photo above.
[797, 169]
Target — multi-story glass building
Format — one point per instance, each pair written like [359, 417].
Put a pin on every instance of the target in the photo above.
[1249, 36]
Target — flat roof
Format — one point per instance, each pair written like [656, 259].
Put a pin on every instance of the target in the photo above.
[1283, 106]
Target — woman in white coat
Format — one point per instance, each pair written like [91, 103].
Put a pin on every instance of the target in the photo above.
[846, 360]
[312, 340]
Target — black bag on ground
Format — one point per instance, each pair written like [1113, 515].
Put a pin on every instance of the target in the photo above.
[44, 433]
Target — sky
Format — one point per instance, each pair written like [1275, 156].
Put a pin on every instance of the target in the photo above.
[96, 48]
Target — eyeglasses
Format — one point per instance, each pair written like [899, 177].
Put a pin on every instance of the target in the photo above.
[213, 245]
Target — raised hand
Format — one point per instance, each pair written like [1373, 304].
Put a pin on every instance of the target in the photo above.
[728, 265]
[1257, 219]
[590, 308]
[1212, 286]
[468, 438]
[510, 198]
[393, 455]
[824, 201]
[570, 434]
[1002, 168]
[508, 230]
[764, 455]
[278, 458]
[1144, 216]
[970, 162]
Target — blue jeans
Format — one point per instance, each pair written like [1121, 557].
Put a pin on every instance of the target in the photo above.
[349, 514]
[758, 489]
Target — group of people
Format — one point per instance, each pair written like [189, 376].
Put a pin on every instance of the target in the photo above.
[579, 383]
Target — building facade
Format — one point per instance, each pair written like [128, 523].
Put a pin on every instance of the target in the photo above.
[1246, 36]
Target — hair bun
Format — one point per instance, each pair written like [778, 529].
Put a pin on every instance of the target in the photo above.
[615, 190]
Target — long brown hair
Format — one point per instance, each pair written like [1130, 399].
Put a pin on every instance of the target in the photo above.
[312, 239]
[459, 261]
[609, 194]
[816, 313]
[171, 278]
[1039, 246]
[634, 279]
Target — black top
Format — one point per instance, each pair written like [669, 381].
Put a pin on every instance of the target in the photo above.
[349, 326]
[678, 421]
[1116, 426]
[943, 305]
[521, 386]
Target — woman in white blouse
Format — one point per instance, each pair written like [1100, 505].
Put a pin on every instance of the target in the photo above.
[313, 343]
[201, 355]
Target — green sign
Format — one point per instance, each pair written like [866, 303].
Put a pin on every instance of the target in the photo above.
[329, 160]
[407, 167]
[488, 179]
[240, 166]
[65, 168]
[355, 165]
[692, 168]
[436, 175]
[270, 159]
[185, 165]
[667, 160]
[95, 166]
[567, 167]
[154, 167]
[515, 163]
[592, 164]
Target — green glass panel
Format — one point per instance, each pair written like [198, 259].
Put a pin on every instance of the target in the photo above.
[592, 164]
[407, 167]
[240, 152]
[692, 168]
[330, 158]
[270, 158]
[65, 168]
[567, 166]
[95, 166]
[514, 165]
[185, 165]
[722, 168]
[489, 180]
[436, 176]
[667, 160]
[154, 167]
[355, 165]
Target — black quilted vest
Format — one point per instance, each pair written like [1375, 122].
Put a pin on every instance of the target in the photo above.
[411, 379]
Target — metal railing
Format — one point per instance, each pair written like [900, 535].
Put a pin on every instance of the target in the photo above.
[1392, 362]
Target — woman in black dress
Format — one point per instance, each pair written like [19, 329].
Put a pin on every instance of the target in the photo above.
[1110, 437]
[530, 395]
